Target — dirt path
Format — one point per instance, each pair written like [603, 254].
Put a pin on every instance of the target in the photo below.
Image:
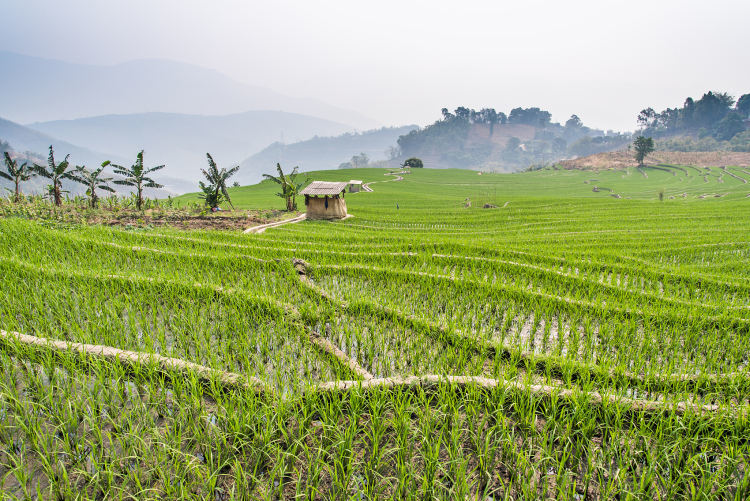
[434, 381]
[741, 179]
[138, 360]
[454, 336]
[366, 186]
[135, 360]
[263, 227]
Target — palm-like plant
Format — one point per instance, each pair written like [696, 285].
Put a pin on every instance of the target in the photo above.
[216, 189]
[137, 176]
[57, 172]
[209, 195]
[17, 174]
[93, 180]
[290, 187]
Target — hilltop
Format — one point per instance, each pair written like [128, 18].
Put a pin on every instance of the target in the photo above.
[491, 141]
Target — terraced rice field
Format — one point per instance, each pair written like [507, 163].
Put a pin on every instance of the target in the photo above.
[564, 345]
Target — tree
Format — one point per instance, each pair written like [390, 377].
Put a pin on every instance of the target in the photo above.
[711, 108]
[216, 189]
[705, 113]
[743, 105]
[643, 146]
[668, 119]
[573, 122]
[93, 180]
[646, 118]
[361, 160]
[209, 195]
[729, 126]
[489, 116]
[726, 99]
[530, 116]
[17, 174]
[137, 176]
[57, 172]
[413, 162]
[290, 188]
[687, 118]
[463, 113]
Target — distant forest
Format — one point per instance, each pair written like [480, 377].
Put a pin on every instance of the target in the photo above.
[714, 122]
[492, 140]
[527, 137]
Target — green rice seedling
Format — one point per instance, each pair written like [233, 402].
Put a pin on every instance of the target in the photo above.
[605, 343]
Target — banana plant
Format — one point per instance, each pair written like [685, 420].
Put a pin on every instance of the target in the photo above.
[17, 174]
[215, 191]
[290, 187]
[57, 172]
[93, 180]
[137, 176]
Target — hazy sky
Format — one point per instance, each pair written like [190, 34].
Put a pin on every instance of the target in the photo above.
[400, 61]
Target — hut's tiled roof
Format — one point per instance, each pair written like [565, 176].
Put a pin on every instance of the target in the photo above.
[324, 188]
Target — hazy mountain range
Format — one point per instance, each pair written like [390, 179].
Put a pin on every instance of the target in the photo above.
[176, 112]
[38, 90]
[322, 153]
[23, 139]
[182, 141]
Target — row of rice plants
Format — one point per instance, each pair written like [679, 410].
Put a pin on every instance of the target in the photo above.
[92, 434]
[613, 343]
[233, 332]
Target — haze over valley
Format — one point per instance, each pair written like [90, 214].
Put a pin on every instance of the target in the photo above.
[285, 85]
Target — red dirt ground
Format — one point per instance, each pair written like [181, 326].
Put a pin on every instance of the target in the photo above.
[623, 159]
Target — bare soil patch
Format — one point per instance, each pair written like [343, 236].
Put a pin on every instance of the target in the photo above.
[235, 220]
[188, 219]
[624, 159]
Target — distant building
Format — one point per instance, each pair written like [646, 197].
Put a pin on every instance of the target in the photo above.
[355, 186]
[325, 200]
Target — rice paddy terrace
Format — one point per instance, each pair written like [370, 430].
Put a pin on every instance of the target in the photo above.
[566, 344]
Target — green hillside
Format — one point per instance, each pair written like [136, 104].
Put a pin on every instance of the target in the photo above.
[447, 188]
[491, 141]
[564, 345]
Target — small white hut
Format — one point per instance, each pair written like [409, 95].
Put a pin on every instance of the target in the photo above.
[355, 186]
[325, 200]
